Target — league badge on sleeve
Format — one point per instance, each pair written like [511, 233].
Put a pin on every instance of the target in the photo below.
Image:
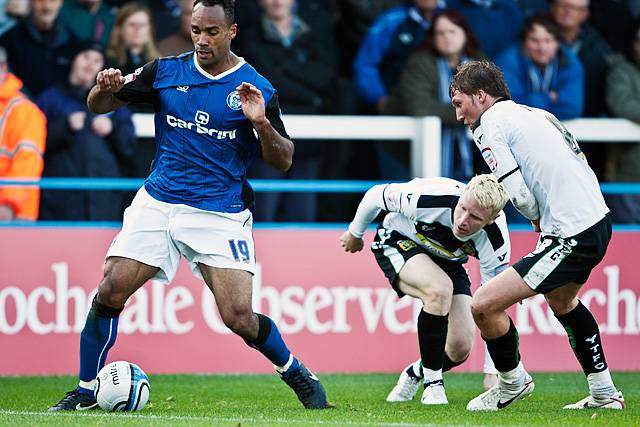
[131, 77]
[233, 101]
[490, 159]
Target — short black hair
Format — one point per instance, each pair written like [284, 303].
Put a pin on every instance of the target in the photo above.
[229, 7]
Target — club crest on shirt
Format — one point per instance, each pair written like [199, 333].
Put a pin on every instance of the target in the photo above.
[233, 101]
[490, 159]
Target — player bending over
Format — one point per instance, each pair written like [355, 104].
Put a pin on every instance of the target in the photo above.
[431, 228]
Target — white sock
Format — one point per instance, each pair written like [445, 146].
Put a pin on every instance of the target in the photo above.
[87, 384]
[513, 378]
[430, 375]
[601, 384]
[283, 369]
[417, 368]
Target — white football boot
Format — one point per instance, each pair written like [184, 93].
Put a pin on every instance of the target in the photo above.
[499, 397]
[434, 394]
[613, 402]
[407, 386]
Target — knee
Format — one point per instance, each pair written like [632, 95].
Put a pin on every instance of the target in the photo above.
[438, 294]
[459, 349]
[113, 290]
[479, 308]
[561, 306]
[240, 322]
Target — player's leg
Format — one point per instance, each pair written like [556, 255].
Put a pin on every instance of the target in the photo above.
[584, 338]
[460, 332]
[461, 327]
[422, 278]
[498, 331]
[122, 277]
[139, 252]
[233, 293]
[411, 272]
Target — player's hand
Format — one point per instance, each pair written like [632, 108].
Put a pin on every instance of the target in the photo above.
[102, 125]
[252, 102]
[351, 243]
[110, 80]
[76, 120]
[536, 225]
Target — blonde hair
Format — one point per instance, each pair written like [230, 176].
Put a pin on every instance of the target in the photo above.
[116, 49]
[489, 193]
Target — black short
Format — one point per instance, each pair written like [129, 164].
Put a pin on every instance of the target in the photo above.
[556, 261]
[392, 250]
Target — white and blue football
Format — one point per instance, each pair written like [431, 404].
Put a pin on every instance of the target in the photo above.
[122, 386]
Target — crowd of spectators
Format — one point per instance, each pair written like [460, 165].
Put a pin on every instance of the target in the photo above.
[575, 58]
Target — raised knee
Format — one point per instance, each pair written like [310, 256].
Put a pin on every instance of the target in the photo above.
[478, 308]
[112, 291]
[440, 293]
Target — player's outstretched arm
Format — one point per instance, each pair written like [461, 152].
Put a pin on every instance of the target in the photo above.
[276, 149]
[101, 98]
[370, 206]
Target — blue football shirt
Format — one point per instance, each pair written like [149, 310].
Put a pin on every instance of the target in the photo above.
[204, 143]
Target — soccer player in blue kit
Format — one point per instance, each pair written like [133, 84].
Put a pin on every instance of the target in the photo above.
[208, 103]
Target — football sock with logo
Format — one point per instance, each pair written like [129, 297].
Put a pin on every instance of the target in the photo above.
[270, 343]
[584, 338]
[432, 337]
[504, 350]
[97, 337]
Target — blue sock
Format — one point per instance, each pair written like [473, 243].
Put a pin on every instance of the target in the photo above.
[270, 343]
[97, 337]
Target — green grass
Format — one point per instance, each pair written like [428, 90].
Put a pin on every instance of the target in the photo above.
[263, 400]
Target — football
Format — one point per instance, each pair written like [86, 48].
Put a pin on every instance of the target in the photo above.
[122, 386]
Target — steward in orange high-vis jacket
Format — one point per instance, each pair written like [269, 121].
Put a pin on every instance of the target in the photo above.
[22, 139]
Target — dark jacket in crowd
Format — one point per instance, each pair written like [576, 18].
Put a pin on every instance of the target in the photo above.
[82, 154]
[303, 72]
[593, 51]
[39, 59]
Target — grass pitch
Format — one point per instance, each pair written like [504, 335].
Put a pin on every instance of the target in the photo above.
[264, 400]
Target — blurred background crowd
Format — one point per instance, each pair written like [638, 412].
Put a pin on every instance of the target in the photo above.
[574, 58]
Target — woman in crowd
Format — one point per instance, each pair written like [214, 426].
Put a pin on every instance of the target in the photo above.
[423, 89]
[132, 42]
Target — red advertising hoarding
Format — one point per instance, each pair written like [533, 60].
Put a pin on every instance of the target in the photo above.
[335, 310]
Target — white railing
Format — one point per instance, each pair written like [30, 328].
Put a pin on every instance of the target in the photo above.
[423, 133]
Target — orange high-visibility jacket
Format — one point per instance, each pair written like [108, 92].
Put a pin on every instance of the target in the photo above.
[23, 132]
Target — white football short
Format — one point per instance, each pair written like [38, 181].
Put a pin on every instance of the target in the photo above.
[158, 234]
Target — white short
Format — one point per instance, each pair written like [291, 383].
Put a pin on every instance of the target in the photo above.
[158, 233]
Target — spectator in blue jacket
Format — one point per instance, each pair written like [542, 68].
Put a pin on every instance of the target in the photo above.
[83, 144]
[495, 23]
[390, 41]
[543, 73]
